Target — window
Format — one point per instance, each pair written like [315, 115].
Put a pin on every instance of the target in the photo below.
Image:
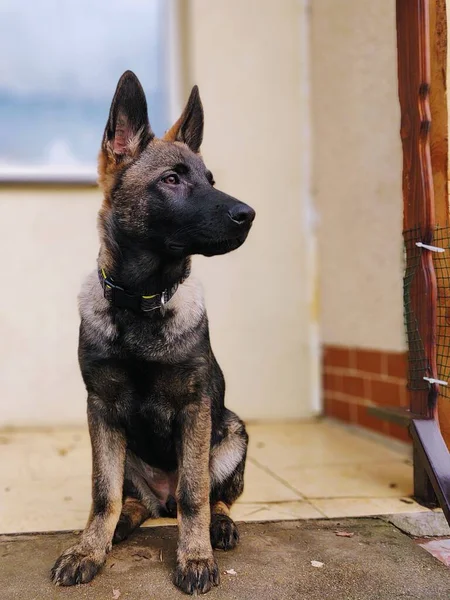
[60, 61]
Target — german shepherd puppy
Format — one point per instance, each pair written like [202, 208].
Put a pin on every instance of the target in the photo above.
[163, 442]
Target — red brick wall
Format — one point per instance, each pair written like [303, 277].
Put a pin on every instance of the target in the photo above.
[354, 379]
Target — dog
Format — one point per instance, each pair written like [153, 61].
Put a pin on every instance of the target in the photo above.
[163, 442]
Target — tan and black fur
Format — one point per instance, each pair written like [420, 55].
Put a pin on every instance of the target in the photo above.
[163, 442]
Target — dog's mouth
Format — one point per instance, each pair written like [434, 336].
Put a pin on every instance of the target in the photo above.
[207, 248]
[223, 246]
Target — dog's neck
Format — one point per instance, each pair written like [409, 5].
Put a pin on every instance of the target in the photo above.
[141, 271]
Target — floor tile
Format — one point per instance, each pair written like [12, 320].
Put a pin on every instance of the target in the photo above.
[311, 444]
[260, 486]
[359, 481]
[280, 511]
[360, 507]
[45, 480]
[159, 522]
[45, 505]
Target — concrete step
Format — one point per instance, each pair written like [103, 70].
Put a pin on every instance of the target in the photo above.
[272, 562]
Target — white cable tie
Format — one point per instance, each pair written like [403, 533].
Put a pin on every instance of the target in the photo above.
[431, 380]
[432, 248]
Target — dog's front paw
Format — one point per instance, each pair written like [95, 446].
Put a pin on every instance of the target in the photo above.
[197, 576]
[76, 565]
[224, 533]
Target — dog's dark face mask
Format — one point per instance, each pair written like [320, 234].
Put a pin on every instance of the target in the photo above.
[158, 192]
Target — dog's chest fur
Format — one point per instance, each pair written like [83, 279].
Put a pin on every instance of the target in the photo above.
[144, 368]
[152, 336]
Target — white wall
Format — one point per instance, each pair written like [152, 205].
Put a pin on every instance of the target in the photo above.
[250, 61]
[357, 172]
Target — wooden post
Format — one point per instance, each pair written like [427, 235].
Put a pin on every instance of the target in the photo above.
[440, 167]
[439, 110]
[414, 77]
[414, 41]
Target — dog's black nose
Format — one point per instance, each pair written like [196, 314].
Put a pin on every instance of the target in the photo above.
[241, 214]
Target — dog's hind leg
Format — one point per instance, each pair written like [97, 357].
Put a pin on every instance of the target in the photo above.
[227, 467]
[133, 514]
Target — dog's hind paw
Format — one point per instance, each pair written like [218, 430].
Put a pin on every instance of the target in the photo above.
[197, 576]
[224, 533]
[123, 529]
[75, 566]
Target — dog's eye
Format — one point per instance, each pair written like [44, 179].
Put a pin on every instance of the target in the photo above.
[171, 179]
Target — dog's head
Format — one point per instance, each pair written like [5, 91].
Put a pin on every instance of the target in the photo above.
[158, 192]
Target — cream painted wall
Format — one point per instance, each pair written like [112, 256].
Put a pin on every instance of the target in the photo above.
[357, 172]
[260, 298]
[250, 60]
[48, 243]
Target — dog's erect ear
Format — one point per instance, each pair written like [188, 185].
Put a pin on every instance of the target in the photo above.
[128, 129]
[189, 127]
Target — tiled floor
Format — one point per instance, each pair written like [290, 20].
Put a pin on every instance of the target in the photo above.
[294, 471]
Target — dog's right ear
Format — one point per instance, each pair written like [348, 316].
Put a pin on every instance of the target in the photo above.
[128, 129]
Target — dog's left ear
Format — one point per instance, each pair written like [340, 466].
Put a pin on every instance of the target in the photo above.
[189, 127]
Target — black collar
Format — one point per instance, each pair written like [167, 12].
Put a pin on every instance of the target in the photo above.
[120, 298]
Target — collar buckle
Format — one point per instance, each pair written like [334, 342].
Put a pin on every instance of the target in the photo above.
[157, 305]
[158, 300]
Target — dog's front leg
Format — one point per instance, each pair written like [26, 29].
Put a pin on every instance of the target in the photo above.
[81, 562]
[196, 567]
